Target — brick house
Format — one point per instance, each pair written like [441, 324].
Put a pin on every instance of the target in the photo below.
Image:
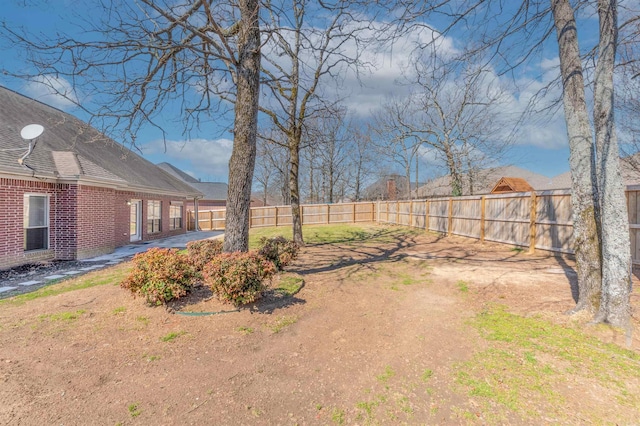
[77, 193]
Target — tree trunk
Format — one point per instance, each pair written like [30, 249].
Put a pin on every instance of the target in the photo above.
[294, 186]
[243, 157]
[616, 251]
[586, 239]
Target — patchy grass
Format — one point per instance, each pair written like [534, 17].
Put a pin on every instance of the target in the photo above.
[172, 336]
[134, 410]
[112, 275]
[462, 286]
[62, 316]
[245, 330]
[281, 323]
[343, 233]
[388, 374]
[530, 360]
[289, 284]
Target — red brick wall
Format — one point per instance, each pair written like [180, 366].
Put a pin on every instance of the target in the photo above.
[84, 221]
[96, 212]
[11, 221]
[64, 223]
[122, 217]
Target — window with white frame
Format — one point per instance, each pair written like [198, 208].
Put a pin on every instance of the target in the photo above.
[175, 215]
[154, 216]
[36, 222]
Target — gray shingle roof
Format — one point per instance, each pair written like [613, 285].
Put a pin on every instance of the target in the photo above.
[212, 191]
[173, 170]
[70, 148]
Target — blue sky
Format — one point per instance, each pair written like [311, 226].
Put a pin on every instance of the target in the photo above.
[541, 143]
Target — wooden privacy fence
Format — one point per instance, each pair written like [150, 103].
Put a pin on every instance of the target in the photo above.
[281, 215]
[540, 220]
[537, 220]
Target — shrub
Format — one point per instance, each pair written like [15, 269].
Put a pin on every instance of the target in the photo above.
[201, 252]
[279, 250]
[160, 275]
[238, 277]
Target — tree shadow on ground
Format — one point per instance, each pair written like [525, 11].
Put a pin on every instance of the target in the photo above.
[271, 300]
[361, 255]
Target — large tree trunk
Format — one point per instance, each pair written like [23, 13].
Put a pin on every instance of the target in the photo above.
[586, 238]
[243, 157]
[616, 252]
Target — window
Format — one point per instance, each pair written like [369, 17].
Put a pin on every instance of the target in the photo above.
[175, 215]
[36, 222]
[154, 216]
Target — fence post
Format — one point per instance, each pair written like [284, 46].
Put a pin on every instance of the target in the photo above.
[250, 217]
[276, 218]
[354, 212]
[450, 222]
[482, 217]
[411, 213]
[301, 215]
[426, 215]
[532, 222]
[397, 212]
[210, 220]
[328, 214]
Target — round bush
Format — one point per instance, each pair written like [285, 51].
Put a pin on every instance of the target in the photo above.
[238, 278]
[201, 252]
[160, 275]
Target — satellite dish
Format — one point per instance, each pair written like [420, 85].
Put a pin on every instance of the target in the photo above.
[31, 131]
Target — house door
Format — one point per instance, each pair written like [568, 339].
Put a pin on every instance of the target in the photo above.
[135, 221]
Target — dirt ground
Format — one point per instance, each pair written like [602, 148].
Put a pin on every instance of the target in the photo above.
[373, 337]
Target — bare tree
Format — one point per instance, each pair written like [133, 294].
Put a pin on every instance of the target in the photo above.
[452, 110]
[333, 154]
[394, 141]
[362, 164]
[519, 32]
[139, 57]
[272, 166]
[307, 45]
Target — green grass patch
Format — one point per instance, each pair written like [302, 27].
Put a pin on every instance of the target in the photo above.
[119, 310]
[343, 233]
[62, 316]
[388, 374]
[426, 375]
[134, 410]
[529, 360]
[289, 284]
[463, 286]
[172, 336]
[112, 275]
[245, 330]
[281, 323]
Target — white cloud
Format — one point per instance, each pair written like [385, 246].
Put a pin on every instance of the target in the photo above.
[53, 91]
[202, 158]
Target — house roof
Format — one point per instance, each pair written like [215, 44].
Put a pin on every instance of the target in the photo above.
[511, 184]
[485, 180]
[379, 190]
[173, 170]
[70, 149]
[212, 191]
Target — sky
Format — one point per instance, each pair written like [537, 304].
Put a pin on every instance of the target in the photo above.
[540, 142]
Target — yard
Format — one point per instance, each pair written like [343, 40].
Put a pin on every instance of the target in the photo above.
[390, 326]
